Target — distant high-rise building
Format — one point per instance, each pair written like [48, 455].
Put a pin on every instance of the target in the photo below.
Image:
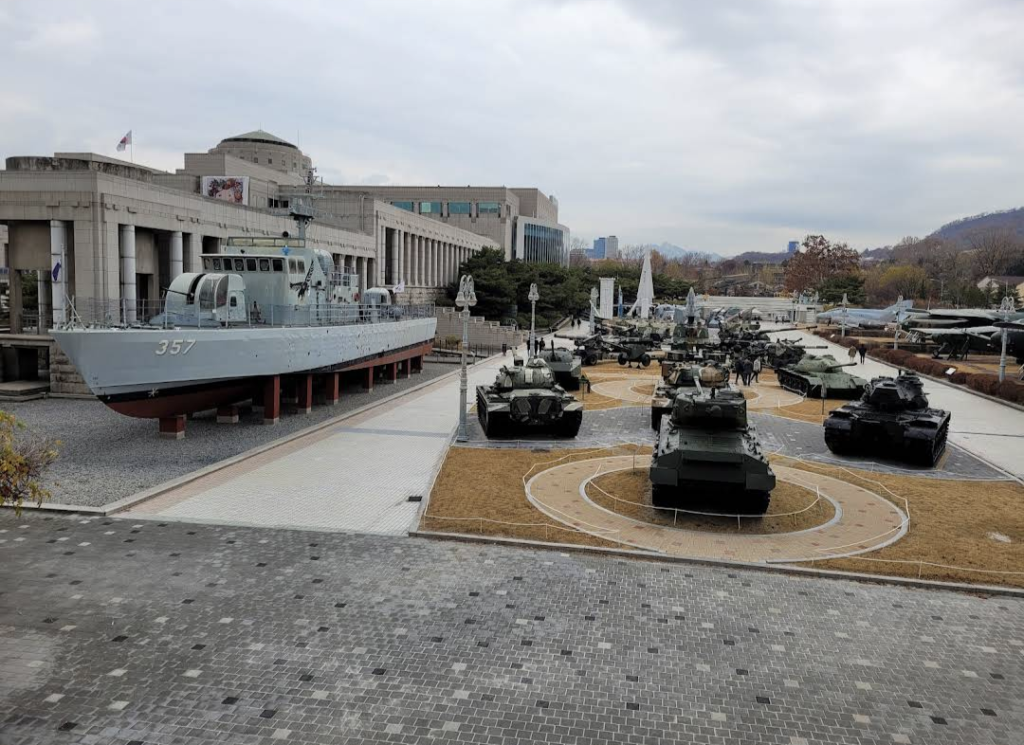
[611, 247]
[793, 247]
[598, 251]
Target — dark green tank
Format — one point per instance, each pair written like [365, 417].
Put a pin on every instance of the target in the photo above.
[707, 456]
[891, 419]
[526, 398]
[564, 365]
[821, 377]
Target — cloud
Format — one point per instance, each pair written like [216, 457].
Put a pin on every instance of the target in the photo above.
[720, 126]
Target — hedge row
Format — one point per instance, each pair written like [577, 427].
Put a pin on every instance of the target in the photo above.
[1008, 390]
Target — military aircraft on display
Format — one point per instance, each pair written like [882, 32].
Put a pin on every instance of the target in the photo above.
[960, 332]
[869, 318]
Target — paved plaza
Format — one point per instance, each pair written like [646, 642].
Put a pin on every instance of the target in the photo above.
[115, 632]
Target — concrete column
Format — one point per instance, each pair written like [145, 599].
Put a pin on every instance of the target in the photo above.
[431, 263]
[177, 256]
[192, 249]
[15, 299]
[304, 390]
[448, 269]
[423, 265]
[414, 260]
[127, 251]
[58, 269]
[332, 388]
[396, 249]
[361, 271]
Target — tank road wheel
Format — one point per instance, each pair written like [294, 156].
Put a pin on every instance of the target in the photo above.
[623, 359]
[590, 360]
[645, 360]
[569, 425]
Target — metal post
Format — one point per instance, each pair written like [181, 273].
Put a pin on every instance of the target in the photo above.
[1005, 307]
[896, 334]
[533, 297]
[465, 300]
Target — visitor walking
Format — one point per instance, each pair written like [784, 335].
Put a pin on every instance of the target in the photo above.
[853, 354]
[737, 368]
[756, 368]
[748, 371]
[862, 350]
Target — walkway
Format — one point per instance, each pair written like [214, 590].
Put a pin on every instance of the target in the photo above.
[624, 389]
[864, 521]
[358, 475]
[985, 428]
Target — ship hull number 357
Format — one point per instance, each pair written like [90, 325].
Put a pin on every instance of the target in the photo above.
[174, 346]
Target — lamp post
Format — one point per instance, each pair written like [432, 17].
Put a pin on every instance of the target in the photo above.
[896, 333]
[533, 297]
[1005, 307]
[843, 321]
[465, 300]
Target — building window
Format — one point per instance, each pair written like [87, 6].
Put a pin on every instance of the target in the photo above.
[270, 161]
[488, 208]
[264, 265]
[255, 159]
[460, 208]
[278, 265]
[430, 208]
[250, 265]
[408, 206]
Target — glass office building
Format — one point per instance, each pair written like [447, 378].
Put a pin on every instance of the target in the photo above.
[539, 242]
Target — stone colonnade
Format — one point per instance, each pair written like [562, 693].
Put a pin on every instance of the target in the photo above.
[418, 260]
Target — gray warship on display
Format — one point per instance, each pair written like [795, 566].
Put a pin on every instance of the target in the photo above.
[260, 309]
[564, 365]
[821, 377]
[526, 398]
[891, 419]
[707, 455]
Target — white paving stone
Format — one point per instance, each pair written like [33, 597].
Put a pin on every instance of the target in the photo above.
[338, 480]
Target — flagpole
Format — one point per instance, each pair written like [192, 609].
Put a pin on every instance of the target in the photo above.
[131, 144]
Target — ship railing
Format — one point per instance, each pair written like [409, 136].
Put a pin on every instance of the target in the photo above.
[89, 313]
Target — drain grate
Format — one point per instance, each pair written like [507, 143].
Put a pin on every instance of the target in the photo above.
[414, 498]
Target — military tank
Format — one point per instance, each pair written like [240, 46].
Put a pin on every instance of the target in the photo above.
[821, 377]
[527, 398]
[565, 366]
[891, 418]
[787, 352]
[707, 456]
[680, 377]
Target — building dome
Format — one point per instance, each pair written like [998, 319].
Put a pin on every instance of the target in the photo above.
[267, 150]
[258, 136]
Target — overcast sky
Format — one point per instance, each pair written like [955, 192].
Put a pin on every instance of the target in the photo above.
[719, 126]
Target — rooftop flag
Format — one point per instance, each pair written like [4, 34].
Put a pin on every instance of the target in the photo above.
[125, 142]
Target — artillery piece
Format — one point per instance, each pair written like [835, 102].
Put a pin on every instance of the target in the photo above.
[892, 418]
[816, 377]
[526, 397]
[706, 452]
[786, 353]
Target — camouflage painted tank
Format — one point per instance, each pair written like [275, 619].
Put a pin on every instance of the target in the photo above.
[817, 377]
[527, 398]
[893, 419]
[707, 457]
[565, 366]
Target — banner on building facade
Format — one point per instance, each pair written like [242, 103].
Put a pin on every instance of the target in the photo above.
[234, 189]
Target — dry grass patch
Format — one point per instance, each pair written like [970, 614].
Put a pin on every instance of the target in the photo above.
[808, 410]
[644, 389]
[607, 369]
[959, 524]
[633, 487]
[476, 485]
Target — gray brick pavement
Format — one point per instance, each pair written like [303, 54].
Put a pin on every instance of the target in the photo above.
[118, 631]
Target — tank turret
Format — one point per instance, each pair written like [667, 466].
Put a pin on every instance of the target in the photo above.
[525, 398]
[564, 365]
[892, 418]
[707, 453]
[820, 377]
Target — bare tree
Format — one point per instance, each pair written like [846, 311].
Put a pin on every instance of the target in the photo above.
[992, 251]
